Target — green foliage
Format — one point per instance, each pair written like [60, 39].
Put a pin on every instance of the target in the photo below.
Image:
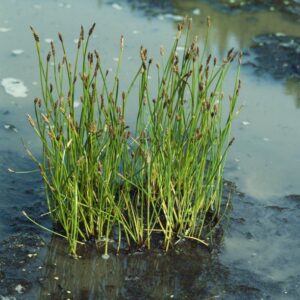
[165, 178]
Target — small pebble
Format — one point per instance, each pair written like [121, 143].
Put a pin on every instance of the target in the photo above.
[246, 123]
[56, 277]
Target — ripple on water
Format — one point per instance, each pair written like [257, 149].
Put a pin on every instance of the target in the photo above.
[14, 87]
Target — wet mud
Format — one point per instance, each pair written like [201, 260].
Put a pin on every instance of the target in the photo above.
[290, 7]
[30, 266]
[258, 252]
[278, 55]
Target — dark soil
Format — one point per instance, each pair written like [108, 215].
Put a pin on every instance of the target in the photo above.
[153, 8]
[278, 55]
[291, 7]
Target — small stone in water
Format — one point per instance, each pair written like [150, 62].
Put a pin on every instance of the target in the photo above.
[246, 123]
[105, 256]
[17, 52]
[116, 6]
[56, 277]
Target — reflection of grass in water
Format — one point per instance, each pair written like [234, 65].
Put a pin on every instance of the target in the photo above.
[102, 180]
[293, 88]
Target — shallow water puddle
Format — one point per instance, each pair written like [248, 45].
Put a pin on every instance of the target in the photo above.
[259, 256]
[14, 87]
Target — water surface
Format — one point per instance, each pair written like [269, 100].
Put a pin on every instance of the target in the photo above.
[259, 255]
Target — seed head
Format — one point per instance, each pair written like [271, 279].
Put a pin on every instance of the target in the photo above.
[35, 35]
[52, 48]
[229, 53]
[143, 54]
[30, 120]
[122, 41]
[97, 54]
[46, 120]
[240, 57]
[208, 59]
[201, 87]
[162, 50]
[60, 37]
[231, 141]
[81, 37]
[92, 29]
[93, 128]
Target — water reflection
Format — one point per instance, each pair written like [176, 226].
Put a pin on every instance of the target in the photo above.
[140, 275]
[229, 30]
[293, 88]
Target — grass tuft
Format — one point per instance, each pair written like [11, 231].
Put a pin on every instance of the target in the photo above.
[164, 177]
